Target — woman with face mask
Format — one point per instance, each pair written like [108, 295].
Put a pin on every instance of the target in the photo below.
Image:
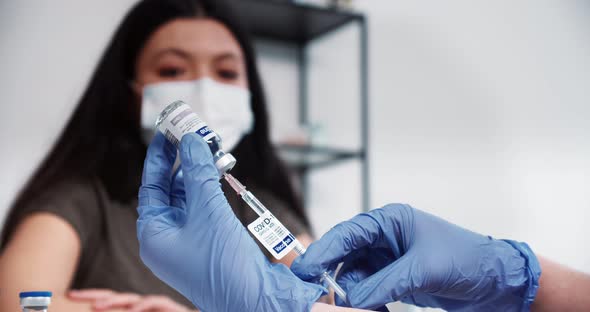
[73, 224]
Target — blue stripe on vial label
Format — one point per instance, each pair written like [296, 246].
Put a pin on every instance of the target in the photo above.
[204, 131]
[279, 247]
[288, 239]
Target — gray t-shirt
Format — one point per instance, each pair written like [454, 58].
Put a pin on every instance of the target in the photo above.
[107, 231]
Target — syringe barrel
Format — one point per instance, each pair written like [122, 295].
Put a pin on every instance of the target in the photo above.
[254, 203]
[299, 248]
[337, 289]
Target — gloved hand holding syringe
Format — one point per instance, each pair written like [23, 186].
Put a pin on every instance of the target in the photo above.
[178, 119]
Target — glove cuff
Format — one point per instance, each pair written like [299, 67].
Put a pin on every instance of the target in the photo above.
[533, 270]
[288, 292]
[313, 295]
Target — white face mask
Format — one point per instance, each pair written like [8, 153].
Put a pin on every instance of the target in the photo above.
[225, 108]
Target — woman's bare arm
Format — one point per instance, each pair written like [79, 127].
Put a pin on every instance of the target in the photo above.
[42, 254]
[561, 289]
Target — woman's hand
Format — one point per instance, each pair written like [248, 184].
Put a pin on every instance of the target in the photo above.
[105, 299]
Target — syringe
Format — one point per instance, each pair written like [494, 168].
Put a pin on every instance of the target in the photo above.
[260, 209]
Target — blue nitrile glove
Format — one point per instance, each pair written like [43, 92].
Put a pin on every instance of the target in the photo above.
[401, 253]
[190, 238]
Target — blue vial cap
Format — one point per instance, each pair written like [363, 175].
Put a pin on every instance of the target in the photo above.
[26, 294]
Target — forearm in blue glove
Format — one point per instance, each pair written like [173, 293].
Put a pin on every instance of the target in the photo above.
[401, 253]
[190, 238]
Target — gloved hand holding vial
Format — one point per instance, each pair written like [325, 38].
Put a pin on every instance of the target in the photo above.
[178, 119]
[197, 229]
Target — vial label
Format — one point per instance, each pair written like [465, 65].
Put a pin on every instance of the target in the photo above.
[182, 121]
[273, 235]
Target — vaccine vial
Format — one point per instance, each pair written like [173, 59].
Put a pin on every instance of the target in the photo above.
[178, 119]
[35, 301]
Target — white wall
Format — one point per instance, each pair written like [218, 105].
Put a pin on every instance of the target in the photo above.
[479, 111]
[481, 115]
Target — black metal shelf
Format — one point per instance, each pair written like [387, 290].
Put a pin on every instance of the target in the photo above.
[306, 157]
[287, 21]
[299, 24]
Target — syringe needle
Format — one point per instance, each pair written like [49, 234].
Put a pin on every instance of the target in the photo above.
[246, 195]
[337, 289]
[234, 183]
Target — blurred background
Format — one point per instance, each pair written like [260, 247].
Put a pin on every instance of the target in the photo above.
[477, 111]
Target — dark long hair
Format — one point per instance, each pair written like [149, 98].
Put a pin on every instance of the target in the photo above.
[102, 139]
